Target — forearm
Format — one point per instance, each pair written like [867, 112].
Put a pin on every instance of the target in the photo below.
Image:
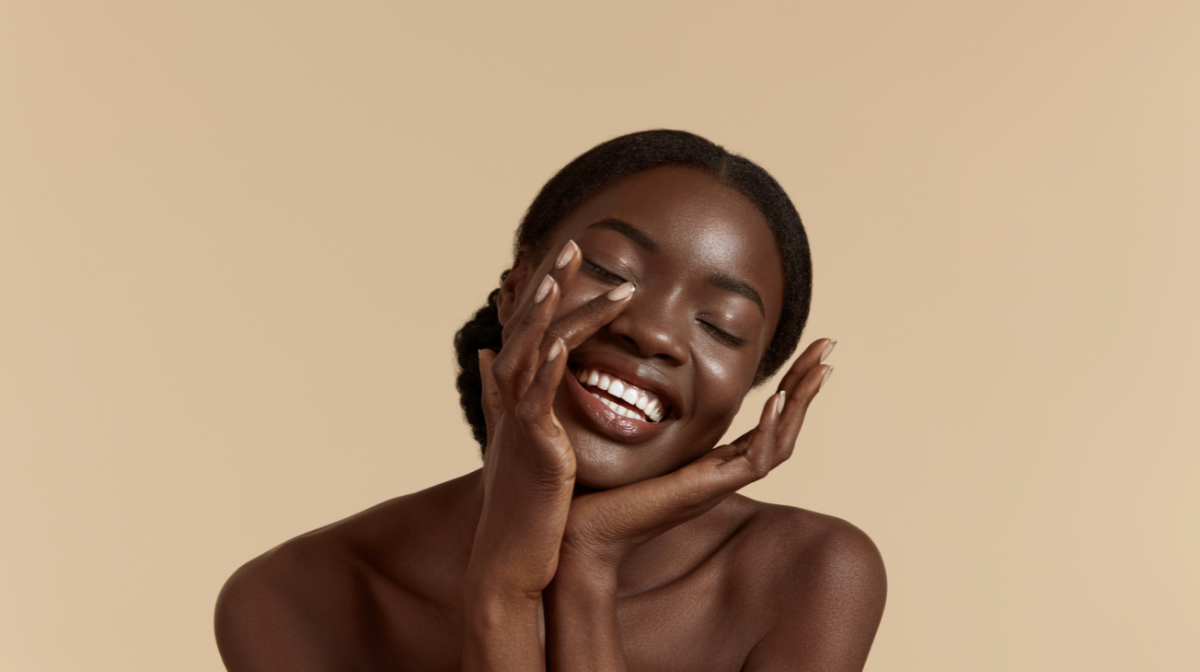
[500, 632]
[582, 633]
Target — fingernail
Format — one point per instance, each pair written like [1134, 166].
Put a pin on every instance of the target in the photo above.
[828, 349]
[828, 373]
[621, 292]
[555, 350]
[779, 404]
[544, 289]
[567, 254]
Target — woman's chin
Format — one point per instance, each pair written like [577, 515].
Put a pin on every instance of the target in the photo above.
[602, 465]
[602, 472]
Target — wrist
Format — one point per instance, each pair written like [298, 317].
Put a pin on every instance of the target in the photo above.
[499, 630]
[593, 573]
[499, 591]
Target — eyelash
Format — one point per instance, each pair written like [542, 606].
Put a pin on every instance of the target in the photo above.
[724, 336]
[712, 328]
[597, 270]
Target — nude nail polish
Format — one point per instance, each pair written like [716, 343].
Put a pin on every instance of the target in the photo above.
[828, 373]
[828, 349]
[567, 254]
[544, 289]
[779, 404]
[555, 350]
[621, 292]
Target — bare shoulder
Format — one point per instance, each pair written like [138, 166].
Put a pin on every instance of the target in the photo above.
[806, 545]
[821, 580]
[268, 614]
[309, 602]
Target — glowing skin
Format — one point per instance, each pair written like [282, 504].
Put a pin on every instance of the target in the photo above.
[668, 335]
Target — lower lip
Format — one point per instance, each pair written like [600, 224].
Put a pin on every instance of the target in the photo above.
[605, 420]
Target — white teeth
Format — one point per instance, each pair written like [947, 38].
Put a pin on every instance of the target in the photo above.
[619, 409]
[644, 401]
[654, 410]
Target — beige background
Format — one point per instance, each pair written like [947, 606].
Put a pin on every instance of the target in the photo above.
[237, 237]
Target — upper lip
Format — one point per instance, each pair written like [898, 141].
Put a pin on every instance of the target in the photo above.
[641, 375]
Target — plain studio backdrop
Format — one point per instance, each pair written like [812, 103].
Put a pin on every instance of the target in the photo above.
[236, 240]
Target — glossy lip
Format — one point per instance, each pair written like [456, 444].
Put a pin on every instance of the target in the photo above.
[607, 422]
[618, 427]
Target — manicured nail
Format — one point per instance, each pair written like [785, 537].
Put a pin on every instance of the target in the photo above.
[828, 349]
[556, 349]
[567, 254]
[544, 289]
[621, 292]
[779, 404]
[828, 373]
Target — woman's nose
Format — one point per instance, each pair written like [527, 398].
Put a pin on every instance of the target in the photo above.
[653, 327]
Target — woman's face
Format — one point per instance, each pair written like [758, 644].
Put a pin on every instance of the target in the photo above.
[709, 290]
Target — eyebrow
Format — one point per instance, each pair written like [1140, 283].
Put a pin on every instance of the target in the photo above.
[628, 230]
[732, 284]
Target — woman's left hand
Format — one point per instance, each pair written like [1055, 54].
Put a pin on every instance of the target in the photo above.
[603, 527]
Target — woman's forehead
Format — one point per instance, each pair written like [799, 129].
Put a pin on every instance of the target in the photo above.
[681, 206]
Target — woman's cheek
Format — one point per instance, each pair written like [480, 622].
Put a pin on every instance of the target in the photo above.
[726, 375]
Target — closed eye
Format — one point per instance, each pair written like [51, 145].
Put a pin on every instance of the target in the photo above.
[602, 272]
[721, 334]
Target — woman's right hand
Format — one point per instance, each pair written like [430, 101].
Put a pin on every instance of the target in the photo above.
[529, 465]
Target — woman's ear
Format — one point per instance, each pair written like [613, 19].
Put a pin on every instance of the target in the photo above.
[513, 286]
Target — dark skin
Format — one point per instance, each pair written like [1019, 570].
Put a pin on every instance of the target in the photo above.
[588, 540]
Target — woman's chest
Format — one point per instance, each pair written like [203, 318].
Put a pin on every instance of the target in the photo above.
[700, 622]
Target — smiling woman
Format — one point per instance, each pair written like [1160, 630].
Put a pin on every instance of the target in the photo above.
[657, 279]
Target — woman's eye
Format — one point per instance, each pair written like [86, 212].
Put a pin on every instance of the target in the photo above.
[721, 334]
[602, 272]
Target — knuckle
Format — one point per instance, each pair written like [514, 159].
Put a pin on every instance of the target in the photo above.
[503, 373]
[528, 413]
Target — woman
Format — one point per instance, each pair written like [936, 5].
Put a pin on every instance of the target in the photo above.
[657, 279]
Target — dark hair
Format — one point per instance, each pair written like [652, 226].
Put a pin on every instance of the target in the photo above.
[601, 166]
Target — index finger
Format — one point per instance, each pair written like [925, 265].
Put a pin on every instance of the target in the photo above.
[577, 326]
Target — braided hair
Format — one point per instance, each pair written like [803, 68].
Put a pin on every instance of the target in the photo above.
[601, 166]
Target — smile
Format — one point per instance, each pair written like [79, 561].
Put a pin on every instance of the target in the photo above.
[620, 396]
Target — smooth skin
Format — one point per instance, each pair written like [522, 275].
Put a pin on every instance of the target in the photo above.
[580, 545]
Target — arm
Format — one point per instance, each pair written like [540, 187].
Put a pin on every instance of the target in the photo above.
[528, 474]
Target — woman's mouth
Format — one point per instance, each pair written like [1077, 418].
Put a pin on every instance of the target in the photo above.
[620, 396]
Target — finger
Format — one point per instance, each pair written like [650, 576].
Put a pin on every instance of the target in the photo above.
[565, 264]
[492, 406]
[535, 408]
[577, 326]
[752, 456]
[521, 355]
[796, 408]
[812, 356]
[760, 455]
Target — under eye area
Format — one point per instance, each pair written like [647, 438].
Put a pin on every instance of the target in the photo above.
[601, 272]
